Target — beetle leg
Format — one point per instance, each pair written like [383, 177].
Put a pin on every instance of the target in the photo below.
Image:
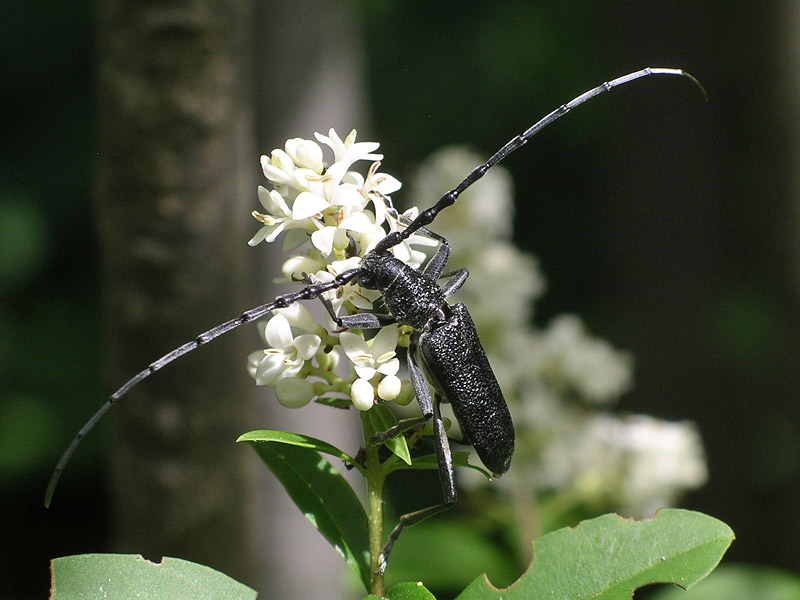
[421, 390]
[358, 320]
[447, 477]
[457, 279]
[402, 426]
[364, 320]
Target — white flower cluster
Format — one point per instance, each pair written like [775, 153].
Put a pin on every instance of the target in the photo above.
[636, 464]
[343, 215]
[576, 364]
[559, 381]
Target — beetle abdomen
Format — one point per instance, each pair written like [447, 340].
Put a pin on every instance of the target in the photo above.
[456, 365]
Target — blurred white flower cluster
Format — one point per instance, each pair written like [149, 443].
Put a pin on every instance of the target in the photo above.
[331, 216]
[559, 381]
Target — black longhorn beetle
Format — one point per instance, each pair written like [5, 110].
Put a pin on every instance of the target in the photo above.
[444, 350]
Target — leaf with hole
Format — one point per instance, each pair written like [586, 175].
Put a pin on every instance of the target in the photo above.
[609, 557]
[124, 576]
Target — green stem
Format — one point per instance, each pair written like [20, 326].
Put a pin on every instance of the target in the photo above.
[375, 476]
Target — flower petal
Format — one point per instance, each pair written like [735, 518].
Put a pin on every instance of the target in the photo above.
[270, 368]
[253, 360]
[364, 370]
[259, 237]
[278, 332]
[385, 342]
[307, 345]
[305, 153]
[273, 202]
[347, 194]
[307, 205]
[390, 367]
[352, 344]
[322, 239]
[274, 231]
[358, 222]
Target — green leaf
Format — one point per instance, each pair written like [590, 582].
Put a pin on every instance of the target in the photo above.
[409, 590]
[125, 576]
[319, 491]
[382, 420]
[739, 582]
[454, 553]
[295, 439]
[609, 557]
[334, 402]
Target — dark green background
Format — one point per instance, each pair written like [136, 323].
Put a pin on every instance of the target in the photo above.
[663, 221]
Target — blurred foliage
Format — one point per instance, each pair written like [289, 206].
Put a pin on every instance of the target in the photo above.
[738, 582]
[473, 73]
[49, 293]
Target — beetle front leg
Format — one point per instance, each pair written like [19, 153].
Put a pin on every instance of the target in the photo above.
[354, 321]
[456, 280]
[357, 320]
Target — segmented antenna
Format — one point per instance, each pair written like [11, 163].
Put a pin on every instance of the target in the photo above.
[427, 216]
[314, 290]
[307, 293]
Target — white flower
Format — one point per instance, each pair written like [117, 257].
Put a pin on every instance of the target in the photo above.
[286, 177]
[346, 152]
[286, 354]
[571, 360]
[381, 357]
[328, 237]
[662, 460]
[352, 292]
[296, 267]
[278, 168]
[378, 186]
[281, 217]
[376, 357]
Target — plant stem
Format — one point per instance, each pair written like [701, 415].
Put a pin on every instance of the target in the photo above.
[375, 476]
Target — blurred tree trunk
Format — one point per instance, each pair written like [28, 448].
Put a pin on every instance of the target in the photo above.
[175, 182]
[184, 92]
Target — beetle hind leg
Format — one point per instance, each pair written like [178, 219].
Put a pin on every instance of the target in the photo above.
[447, 477]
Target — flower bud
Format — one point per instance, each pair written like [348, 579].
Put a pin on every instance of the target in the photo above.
[305, 153]
[293, 392]
[389, 387]
[406, 394]
[362, 394]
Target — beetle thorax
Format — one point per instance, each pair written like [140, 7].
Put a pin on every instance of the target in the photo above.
[415, 299]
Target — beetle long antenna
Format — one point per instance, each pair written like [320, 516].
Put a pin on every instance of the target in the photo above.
[427, 216]
[307, 293]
